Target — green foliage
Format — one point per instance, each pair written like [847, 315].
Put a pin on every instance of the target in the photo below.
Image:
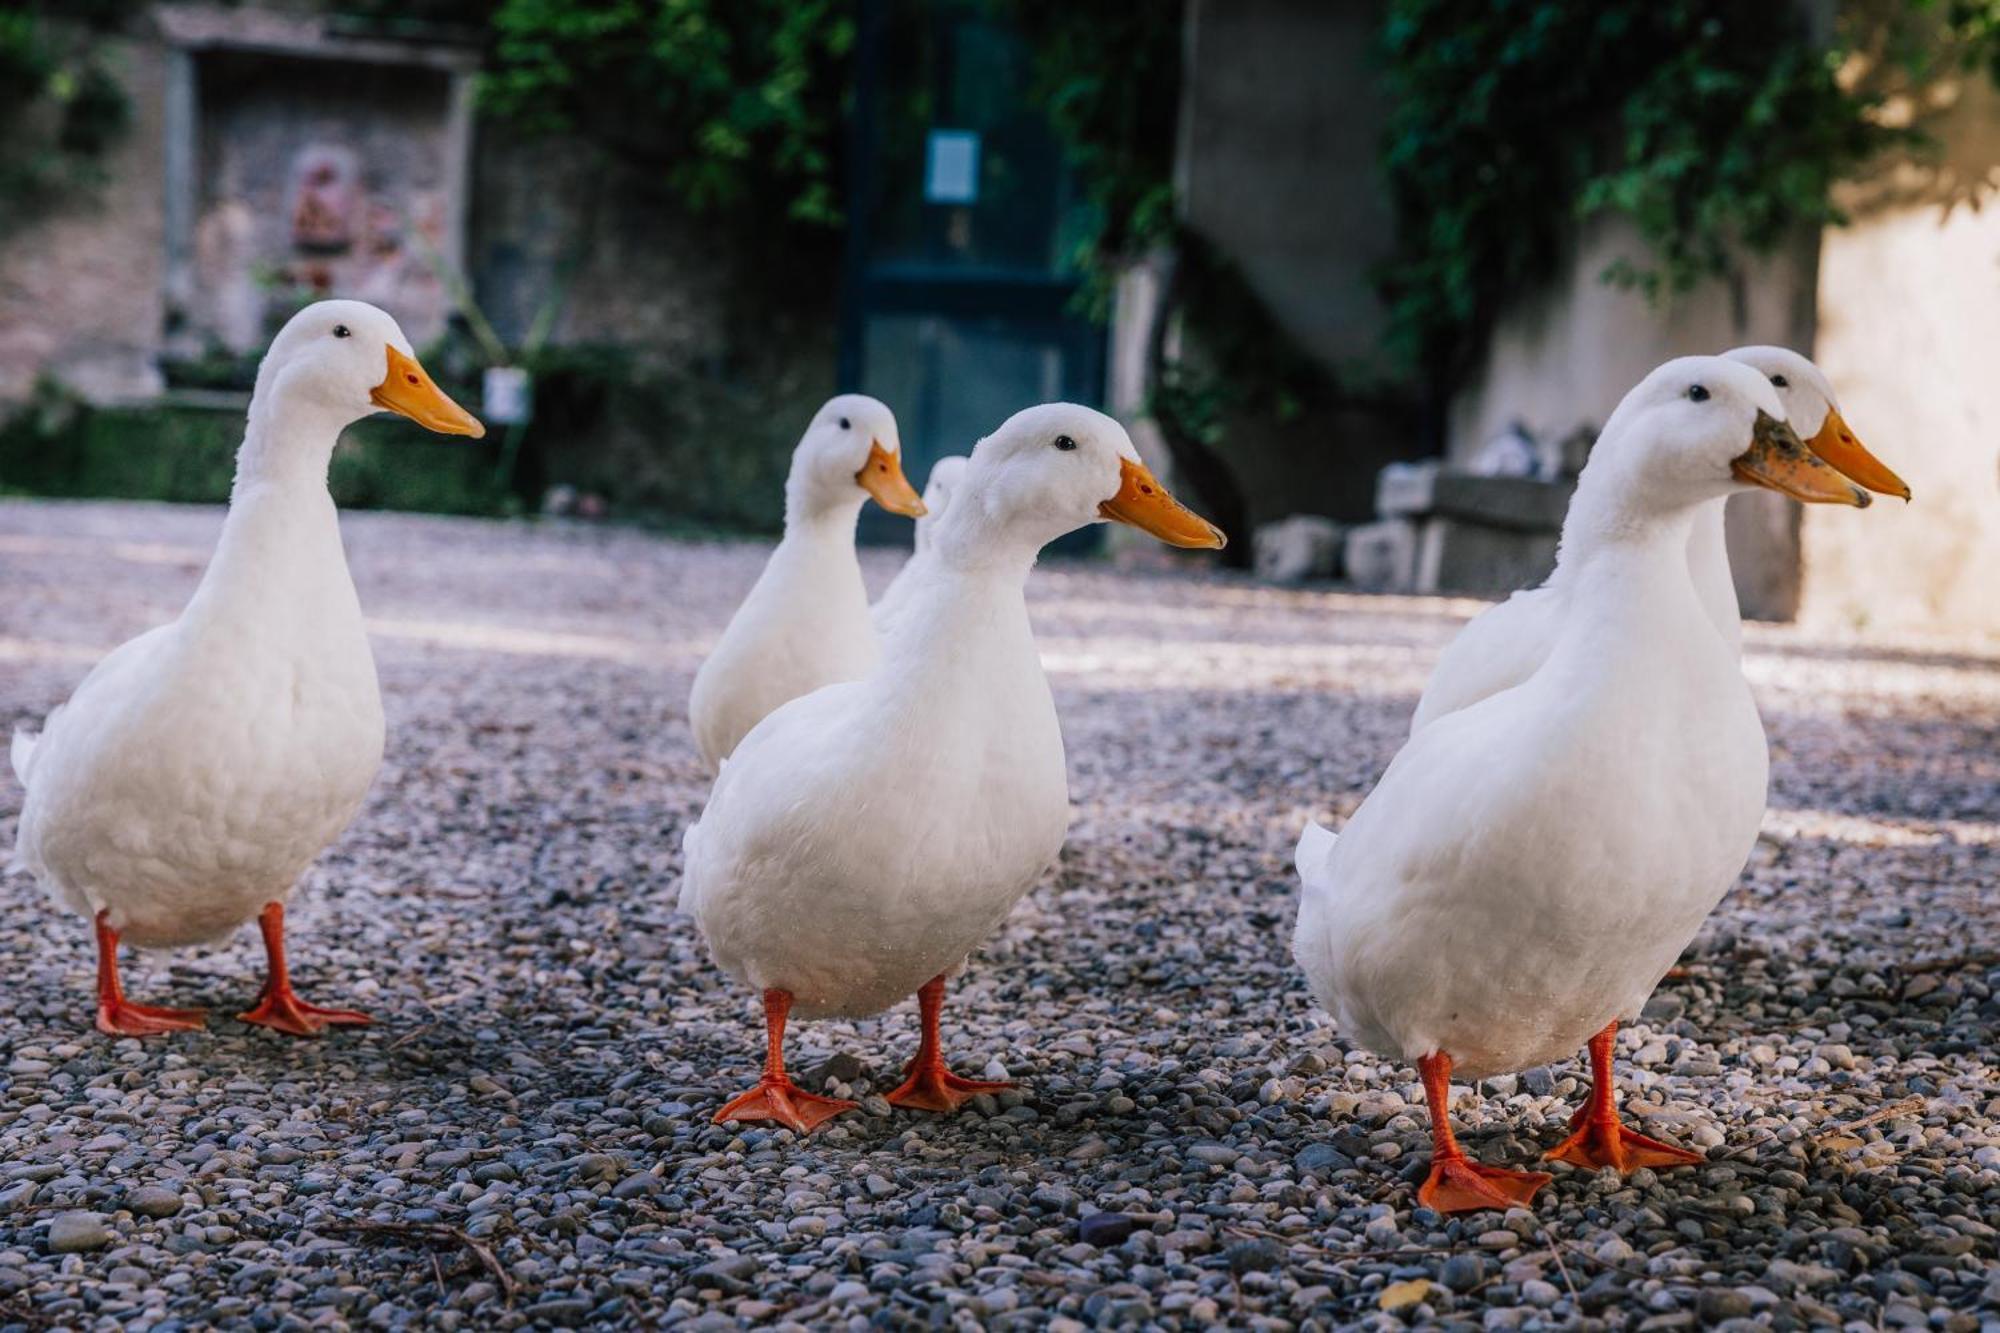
[1707, 121]
[1107, 73]
[1926, 38]
[735, 105]
[1714, 155]
[61, 106]
[1712, 124]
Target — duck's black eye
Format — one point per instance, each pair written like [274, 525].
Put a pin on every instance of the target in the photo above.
[845, 424]
[1065, 443]
[1697, 394]
[342, 331]
[1781, 382]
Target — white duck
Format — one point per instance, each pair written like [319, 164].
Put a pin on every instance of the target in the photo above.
[1502, 646]
[199, 768]
[864, 839]
[805, 623]
[945, 474]
[1531, 865]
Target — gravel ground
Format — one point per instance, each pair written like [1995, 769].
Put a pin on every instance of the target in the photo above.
[524, 1139]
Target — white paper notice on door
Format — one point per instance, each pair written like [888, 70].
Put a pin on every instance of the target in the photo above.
[951, 167]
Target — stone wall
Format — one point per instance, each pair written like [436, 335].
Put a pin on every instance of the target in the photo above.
[553, 222]
[80, 286]
[318, 177]
[308, 165]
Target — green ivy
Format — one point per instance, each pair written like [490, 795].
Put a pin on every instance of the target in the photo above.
[1107, 74]
[1715, 125]
[735, 105]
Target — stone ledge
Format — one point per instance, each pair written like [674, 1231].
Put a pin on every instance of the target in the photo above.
[1428, 490]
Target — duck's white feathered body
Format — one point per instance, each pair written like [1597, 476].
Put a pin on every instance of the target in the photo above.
[1507, 643]
[1534, 861]
[805, 624]
[199, 769]
[865, 838]
[1531, 865]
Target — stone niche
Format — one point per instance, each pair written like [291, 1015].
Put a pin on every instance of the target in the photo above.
[305, 163]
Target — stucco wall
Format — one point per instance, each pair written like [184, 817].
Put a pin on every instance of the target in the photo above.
[1280, 129]
[1561, 360]
[1909, 332]
[80, 286]
[1281, 123]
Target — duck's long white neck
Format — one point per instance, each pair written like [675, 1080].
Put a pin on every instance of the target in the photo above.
[1593, 517]
[1630, 604]
[1626, 573]
[814, 514]
[280, 553]
[1708, 562]
[966, 613]
[817, 551]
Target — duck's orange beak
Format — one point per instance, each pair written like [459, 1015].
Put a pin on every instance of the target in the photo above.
[882, 477]
[1145, 504]
[1779, 461]
[409, 391]
[1836, 444]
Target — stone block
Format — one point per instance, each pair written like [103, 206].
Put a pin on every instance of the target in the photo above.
[1403, 490]
[1523, 504]
[1299, 548]
[1382, 556]
[1455, 555]
[1426, 489]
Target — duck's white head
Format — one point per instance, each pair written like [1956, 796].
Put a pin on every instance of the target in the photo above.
[1052, 469]
[849, 454]
[945, 476]
[1700, 427]
[1812, 410]
[938, 488]
[339, 361]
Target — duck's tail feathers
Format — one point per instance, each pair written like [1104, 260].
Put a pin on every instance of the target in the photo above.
[22, 752]
[690, 838]
[1315, 845]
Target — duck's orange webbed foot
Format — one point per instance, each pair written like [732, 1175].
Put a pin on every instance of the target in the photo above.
[1457, 1184]
[927, 1085]
[1600, 1144]
[1461, 1185]
[283, 1011]
[120, 1017]
[784, 1101]
[932, 1087]
[776, 1097]
[1598, 1139]
[279, 1007]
